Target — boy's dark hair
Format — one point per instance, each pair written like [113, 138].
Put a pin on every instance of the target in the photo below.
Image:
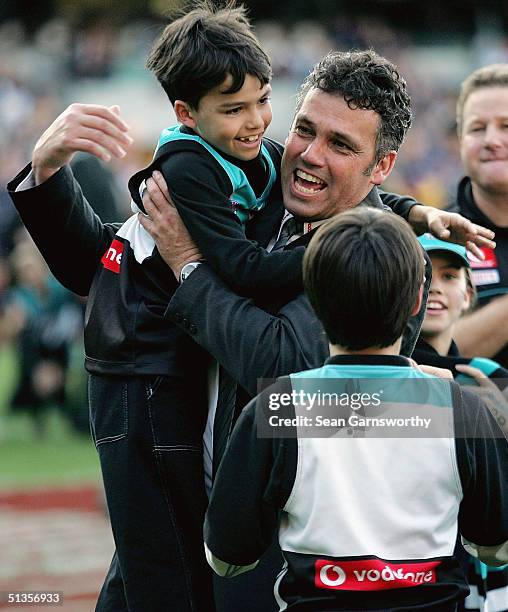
[197, 51]
[370, 82]
[362, 272]
[495, 75]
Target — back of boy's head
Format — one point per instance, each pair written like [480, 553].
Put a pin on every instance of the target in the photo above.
[362, 273]
[197, 51]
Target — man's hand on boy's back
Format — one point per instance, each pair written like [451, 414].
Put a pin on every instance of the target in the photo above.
[166, 227]
[90, 128]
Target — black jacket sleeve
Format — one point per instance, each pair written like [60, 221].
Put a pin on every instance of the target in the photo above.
[401, 205]
[69, 235]
[200, 190]
[482, 457]
[249, 342]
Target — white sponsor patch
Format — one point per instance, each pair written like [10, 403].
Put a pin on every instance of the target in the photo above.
[485, 277]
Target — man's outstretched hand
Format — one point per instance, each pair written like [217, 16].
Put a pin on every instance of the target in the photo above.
[165, 226]
[90, 128]
[451, 227]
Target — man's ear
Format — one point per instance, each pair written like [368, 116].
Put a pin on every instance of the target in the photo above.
[383, 168]
[184, 114]
[418, 303]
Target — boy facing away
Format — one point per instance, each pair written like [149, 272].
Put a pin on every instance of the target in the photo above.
[365, 520]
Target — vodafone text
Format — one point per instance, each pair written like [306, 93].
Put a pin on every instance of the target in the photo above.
[372, 574]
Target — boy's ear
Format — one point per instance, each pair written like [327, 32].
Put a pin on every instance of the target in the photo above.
[418, 303]
[184, 114]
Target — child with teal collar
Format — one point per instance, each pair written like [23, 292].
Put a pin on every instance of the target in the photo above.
[451, 294]
[148, 380]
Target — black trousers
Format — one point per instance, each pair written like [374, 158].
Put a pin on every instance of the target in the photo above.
[148, 434]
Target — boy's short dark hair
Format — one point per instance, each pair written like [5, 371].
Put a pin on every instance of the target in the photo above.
[494, 75]
[197, 51]
[362, 272]
[369, 82]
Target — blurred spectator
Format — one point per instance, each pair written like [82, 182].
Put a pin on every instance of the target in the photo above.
[93, 48]
[482, 196]
[51, 319]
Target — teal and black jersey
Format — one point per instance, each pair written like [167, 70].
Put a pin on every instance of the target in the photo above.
[232, 209]
[490, 276]
[245, 199]
[366, 506]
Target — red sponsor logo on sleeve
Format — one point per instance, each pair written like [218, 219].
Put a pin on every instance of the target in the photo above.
[112, 258]
[372, 574]
[490, 260]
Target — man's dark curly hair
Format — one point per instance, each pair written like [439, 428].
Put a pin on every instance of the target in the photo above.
[370, 82]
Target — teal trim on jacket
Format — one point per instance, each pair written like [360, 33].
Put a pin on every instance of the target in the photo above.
[244, 200]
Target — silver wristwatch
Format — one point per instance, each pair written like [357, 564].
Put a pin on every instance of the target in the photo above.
[188, 269]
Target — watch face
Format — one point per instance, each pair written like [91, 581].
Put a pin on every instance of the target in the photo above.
[188, 269]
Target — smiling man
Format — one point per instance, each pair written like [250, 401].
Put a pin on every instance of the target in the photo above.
[352, 116]
[482, 197]
[331, 160]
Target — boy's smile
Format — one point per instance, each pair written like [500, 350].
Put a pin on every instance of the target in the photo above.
[234, 123]
[448, 296]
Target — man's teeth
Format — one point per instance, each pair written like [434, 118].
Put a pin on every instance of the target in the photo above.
[249, 138]
[303, 189]
[309, 177]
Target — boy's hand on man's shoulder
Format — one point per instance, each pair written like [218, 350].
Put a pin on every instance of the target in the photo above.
[90, 128]
[451, 227]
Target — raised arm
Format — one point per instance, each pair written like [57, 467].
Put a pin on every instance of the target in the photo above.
[442, 224]
[66, 230]
[68, 233]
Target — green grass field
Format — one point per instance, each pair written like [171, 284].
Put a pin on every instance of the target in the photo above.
[58, 457]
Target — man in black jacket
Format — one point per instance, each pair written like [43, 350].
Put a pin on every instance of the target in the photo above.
[482, 197]
[332, 162]
[337, 153]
